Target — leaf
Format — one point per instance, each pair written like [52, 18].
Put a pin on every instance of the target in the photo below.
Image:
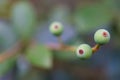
[32, 74]
[113, 4]
[59, 13]
[23, 17]
[68, 55]
[91, 17]
[7, 37]
[39, 56]
[7, 65]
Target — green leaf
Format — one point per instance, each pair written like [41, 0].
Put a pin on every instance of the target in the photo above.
[113, 4]
[23, 17]
[7, 66]
[68, 55]
[65, 55]
[33, 74]
[7, 37]
[39, 56]
[91, 17]
[59, 13]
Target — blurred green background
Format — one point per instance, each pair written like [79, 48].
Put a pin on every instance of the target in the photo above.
[29, 20]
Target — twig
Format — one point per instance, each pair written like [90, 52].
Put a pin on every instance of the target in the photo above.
[95, 48]
[10, 52]
[58, 47]
[18, 47]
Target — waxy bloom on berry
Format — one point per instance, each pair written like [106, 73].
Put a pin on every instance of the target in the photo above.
[102, 36]
[84, 51]
[56, 28]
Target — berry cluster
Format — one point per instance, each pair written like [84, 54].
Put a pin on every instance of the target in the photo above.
[84, 51]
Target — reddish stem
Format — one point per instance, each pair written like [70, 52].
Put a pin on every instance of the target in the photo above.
[95, 48]
[10, 52]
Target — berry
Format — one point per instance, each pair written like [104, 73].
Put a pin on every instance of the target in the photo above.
[56, 28]
[84, 51]
[102, 36]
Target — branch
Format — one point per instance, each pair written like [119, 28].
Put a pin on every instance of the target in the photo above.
[95, 48]
[59, 47]
[10, 52]
[18, 47]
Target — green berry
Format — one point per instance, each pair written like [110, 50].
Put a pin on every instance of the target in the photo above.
[56, 28]
[102, 36]
[84, 51]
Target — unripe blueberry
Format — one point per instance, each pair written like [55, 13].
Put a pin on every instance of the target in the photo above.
[84, 51]
[56, 28]
[102, 36]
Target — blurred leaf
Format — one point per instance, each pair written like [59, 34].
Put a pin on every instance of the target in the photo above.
[59, 13]
[23, 17]
[33, 74]
[39, 56]
[65, 55]
[7, 37]
[113, 4]
[4, 7]
[7, 65]
[109, 3]
[91, 17]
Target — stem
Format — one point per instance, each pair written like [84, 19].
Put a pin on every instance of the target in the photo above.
[95, 48]
[69, 48]
[65, 47]
[19, 47]
[60, 41]
[10, 52]
[58, 47]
